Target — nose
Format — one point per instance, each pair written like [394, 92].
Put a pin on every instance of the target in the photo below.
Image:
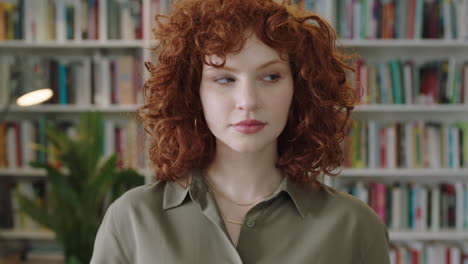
[247, 97]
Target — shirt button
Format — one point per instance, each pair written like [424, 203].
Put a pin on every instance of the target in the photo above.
[250, 223]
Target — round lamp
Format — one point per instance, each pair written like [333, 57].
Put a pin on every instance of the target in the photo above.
[34, 97]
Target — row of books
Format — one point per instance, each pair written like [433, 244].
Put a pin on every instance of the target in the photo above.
[158, 7]
[31, 252]
[164, 7]
[78, 80]
[400, 253]
[401, 206]
[19, 141]
[417, 252]
[416, 206]
[401, 19]
[71, 20]
[317, 6]
[124, 19]
[410, 144]
[441, 81]
[11, 217]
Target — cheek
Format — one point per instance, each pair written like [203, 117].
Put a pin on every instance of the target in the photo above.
[282, 100]
[214, 106]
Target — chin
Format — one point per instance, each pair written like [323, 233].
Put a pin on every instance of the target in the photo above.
[248, 143]
[250, 146]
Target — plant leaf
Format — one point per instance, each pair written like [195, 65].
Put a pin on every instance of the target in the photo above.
[36, 212]
[104, 178]
[60, 140]
[61, 187]
[90, 135]
[73, 260]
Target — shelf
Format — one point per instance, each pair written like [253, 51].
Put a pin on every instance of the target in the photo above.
[111, 44]
[88, 44]
[27, 234]
[22, 172]
[404, 43]
[447, 112]
[40, 173]
[404, 108]
[72, 108]
[406, 173]
[451, 235]
[388, 108]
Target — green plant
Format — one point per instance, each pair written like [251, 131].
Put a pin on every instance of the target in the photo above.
[82, 187]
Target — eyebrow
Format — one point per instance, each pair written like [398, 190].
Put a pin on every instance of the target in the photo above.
[264, 65]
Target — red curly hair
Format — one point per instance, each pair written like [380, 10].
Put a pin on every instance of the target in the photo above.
[323, 98]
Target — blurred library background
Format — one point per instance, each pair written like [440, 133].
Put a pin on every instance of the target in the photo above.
[71, 76]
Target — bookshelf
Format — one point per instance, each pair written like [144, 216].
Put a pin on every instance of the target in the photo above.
[82, 44]
[404, 43]
[397, 32]
[414, 174]
[27, 234]
[55, 109]
[428, 236]
[96, 41]
[447, 235]
[375, 49]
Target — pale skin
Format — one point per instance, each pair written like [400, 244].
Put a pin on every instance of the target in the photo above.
[244, 165]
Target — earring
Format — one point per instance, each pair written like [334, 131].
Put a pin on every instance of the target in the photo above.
[195, 124]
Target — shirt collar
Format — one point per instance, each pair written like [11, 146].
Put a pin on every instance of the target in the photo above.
[304, 198]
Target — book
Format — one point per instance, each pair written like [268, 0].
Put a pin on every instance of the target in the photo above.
[399, 19]
[415, 206]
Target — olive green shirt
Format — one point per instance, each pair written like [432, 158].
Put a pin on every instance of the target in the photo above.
[164, 223]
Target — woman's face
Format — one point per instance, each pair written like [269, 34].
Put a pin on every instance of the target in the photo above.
[253, 84]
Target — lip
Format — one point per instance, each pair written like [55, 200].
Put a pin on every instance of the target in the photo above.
[249, 129]
[249, 126]
[249, 122]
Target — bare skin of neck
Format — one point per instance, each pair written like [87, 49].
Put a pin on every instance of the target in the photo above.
[236, 212]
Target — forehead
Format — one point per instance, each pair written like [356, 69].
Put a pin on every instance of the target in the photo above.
[254, 53]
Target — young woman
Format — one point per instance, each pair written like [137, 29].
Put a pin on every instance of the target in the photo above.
[246, 106]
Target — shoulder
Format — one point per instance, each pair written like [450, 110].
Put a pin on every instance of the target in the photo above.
[137, 200]
[361, 225]
[118, 233]
[142, 195]
[357, 215]
[350, 205]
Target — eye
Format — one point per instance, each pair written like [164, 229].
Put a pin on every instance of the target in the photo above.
[275, 76]
[224, 80]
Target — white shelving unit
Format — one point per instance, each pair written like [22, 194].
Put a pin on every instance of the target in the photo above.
[58, 109]
[410, 235]
[389, 176]
[21, 173]
[417, 49]
[406, 112]
[407, 173]
[81, 47]
[373, 48]
[39, 173]
[403, 43]
[83, 44]
[27, 234]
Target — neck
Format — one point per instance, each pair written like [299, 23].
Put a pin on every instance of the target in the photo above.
[244, 177]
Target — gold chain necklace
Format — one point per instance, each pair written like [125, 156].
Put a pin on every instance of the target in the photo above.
[229, 220]
[212, 189]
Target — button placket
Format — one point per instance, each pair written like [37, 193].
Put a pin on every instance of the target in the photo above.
[250, 223]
